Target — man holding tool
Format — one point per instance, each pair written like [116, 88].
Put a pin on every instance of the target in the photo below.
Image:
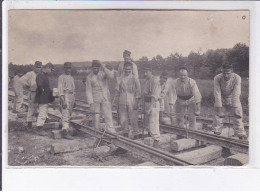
[188, 99]
[151, 95]
[28, 81]
[227, 91]
[66, 88]
[128, 92]
[98, 95]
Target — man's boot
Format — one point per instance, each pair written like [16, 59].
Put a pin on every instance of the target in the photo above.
[40, 131]
[156, 144]
[65, 134]
[29, 126]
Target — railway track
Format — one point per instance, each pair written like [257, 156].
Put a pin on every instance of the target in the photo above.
[157, 156]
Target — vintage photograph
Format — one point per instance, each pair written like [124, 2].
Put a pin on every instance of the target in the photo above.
[128, 88]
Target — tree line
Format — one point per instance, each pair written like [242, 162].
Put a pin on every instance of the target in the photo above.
[201, 65]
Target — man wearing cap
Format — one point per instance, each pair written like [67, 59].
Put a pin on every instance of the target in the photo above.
[18, 91]
[43, 94]
[66, 89]
[227, 91]
[127, 58]
[151, 94]
[28, 81]
[98, 95]
[128, 90]
[188, 99]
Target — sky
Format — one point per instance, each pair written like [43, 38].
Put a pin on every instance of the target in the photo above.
[83, 35]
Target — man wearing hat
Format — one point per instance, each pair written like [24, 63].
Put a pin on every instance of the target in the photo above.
[28, 81]
[188, 99]
[66, 88]
[127, 58]
[151, 94]
[18, 91]
[98, 95]
[227, 91]
[128, 90]
[43, 94]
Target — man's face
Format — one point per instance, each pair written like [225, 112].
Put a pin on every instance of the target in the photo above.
[147, 73]
[183, 75]
[37, 69]
[163, 80]
[227, 74]
[48, 70]
[20, 74]
[67, 70]
[95, 69]
[126, 57]
[127, 70]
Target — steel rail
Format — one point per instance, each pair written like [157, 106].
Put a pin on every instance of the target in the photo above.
[239, 145]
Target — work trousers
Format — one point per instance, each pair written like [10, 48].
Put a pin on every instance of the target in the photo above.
[32, 108]
[235, 115]
[182, 108]
[152, 120]
[66, 113]
[42, 116]
[104, 107]
[128, 115]
[18, 101]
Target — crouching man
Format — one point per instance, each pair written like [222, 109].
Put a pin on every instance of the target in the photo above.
[66, 88]
[43, 95]
[227, 91]
[188, 99]
[128, 92]
[28, 82]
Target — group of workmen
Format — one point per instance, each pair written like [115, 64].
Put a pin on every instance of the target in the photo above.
[181, 97]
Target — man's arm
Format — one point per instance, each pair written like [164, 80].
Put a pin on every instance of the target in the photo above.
[135, 70]
[89, 95]
[217, 92]
[108, 73]
[236, 93]
[39, 83]
[24, 80]
[196, 92]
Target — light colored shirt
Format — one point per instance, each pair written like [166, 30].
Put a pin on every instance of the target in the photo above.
[66, 84]
[152, 87]
[187, 88]
[230, 89]
[17, 84]
[29, 81]
[167, 90]
[97, 89]
[129, 89]
[120, 72]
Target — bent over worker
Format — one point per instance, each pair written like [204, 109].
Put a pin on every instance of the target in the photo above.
[188, 99]
[66, 88]
[227, 91]
[18, 91]
[129, 92]
[28, 81]
[98, 95]
[151, 95]
[43, 94]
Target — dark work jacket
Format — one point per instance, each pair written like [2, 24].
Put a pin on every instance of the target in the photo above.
[43, 93]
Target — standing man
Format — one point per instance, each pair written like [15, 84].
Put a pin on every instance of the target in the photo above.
[98, 95]
[227, 91]
[28, 81]
[66, 88]
[128, 91]
[188, 99]
[151, 95]
[43, 94]
[127, 58]
[18, 91]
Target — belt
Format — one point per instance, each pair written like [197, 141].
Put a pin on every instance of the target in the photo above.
[68, 92]
[185, 97]
[148, 98]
